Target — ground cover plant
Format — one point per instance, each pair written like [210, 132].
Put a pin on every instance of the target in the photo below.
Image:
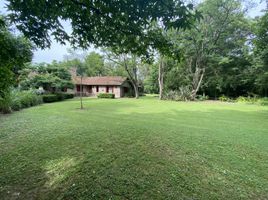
[135, 149]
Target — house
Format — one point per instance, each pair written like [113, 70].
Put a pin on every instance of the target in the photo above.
[92, 86]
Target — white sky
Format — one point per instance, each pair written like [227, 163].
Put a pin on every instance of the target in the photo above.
[57, 51]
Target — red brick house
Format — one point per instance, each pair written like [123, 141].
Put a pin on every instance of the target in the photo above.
[92, 86]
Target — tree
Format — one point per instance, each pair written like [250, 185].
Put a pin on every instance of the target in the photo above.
[51, 77]
[14, 52]
[81, 71]
[131, 64]
[261, 52]
[94, 63]
[115, 24]
[221, 33]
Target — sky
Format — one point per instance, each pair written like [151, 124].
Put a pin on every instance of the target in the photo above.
[58, 51]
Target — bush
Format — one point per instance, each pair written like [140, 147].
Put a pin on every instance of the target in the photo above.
[68, 96]
[172, 95]
[263, 101]
[202, 97]
[15, 104]
[28, 98]
[225, 99]
[63, 96]
[17, 100]
[49, 98]
[247, 99]
[106, 95]
[183, 94]
[5, 103]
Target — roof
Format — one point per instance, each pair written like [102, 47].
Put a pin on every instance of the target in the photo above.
[100, 80]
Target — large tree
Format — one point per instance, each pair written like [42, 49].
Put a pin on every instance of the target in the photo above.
[14, 52]
[261, 52]
[220, 34]
[94, 63]
[131, 64]
[117, 24]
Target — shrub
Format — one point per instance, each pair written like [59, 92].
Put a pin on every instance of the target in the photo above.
[17, 100]
[129, 95]
[106, 95]
[172, 95]
[242, 99]
[183, 94]
[24, 99]
[15, 104]
[202, 97]
[225, 98]
[248, 99]
[68, 96]
[263, 101]
[5, 103]
[63, 96]
[29, 98]
[49, 98]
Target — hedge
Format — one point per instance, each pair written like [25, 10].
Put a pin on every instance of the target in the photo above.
[23, 99]
[49, 98]
[106, 95]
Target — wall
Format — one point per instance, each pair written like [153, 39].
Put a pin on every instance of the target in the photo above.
[117, 90]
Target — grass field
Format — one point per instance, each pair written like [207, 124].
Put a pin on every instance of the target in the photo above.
[135, 149]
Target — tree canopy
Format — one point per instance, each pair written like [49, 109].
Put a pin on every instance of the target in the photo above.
[125, 24]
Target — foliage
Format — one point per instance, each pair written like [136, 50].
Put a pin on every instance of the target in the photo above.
[106, 95]
[218, 37]
[150, 81]
[263, 101]
[49, 98]
[14, 52]
[94, 63]
[202, 97]
[117, 24]
[260, 72]
[225, 99]
[183, 94]
[253, 100]
[51, 77]
[27, 98]
[18, 100]
[131, 65]
[5, 101]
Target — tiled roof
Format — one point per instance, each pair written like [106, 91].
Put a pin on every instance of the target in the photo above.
[100, 80]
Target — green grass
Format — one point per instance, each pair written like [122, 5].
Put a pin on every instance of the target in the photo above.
[135, 149]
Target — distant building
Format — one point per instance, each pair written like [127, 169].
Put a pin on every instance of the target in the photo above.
[92, 86]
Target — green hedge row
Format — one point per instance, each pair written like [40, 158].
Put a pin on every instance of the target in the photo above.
[250, 100]
[24, 99]
[49, 98]
[106, 95]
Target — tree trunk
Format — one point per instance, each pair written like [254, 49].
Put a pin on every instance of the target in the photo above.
[81, 94]
[161, 78]
[136, 90]
[197, 80]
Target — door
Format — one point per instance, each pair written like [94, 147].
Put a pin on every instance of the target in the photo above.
[89, 89]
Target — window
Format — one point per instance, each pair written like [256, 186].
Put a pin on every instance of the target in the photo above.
[97, 88]
[107, 89]
[78, 88]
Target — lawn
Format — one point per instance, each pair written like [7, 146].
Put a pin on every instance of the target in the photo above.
[135, 149]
